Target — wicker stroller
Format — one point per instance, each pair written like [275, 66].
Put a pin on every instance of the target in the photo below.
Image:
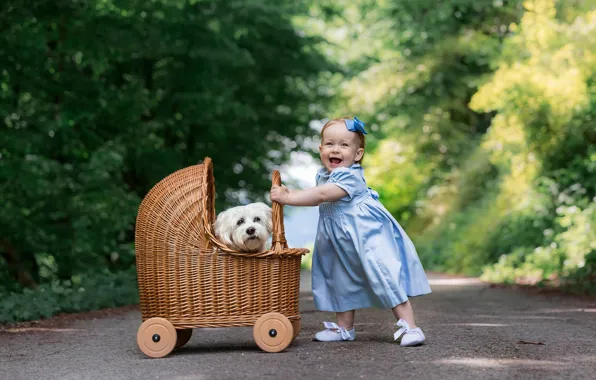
[188, 279]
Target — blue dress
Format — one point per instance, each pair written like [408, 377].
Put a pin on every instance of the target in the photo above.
[362, 257]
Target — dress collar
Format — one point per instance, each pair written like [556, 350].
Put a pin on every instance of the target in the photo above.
[323, 173]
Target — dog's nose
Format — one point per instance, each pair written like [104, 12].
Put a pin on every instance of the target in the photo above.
[250, 231]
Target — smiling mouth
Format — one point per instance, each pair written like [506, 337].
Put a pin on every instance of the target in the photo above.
[335, 161]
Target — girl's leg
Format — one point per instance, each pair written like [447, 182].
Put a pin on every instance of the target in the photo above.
[405, 312]
[345, 319]
[410, 335]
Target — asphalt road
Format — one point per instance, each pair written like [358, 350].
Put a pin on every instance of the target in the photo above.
[474, 332]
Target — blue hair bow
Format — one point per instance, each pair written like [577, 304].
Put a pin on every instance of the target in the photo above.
[355, 125]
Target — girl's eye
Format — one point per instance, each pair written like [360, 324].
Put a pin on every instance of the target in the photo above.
[345, 145]
[328, 144]
[257, 219]
[240, 222]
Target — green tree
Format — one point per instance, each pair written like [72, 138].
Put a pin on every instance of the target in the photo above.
[424, 61]
[103, 98]
[485, 112]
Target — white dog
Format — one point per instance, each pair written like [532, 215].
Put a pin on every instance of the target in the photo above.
[245, 228]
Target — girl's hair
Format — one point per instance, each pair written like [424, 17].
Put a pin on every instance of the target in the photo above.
[341, 120]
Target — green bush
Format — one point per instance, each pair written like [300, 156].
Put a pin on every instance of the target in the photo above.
[306, 263]
[86, 292]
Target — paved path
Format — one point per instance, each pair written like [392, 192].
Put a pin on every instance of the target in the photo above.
[473, 333]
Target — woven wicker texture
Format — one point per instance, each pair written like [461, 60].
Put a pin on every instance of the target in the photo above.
[188, 277]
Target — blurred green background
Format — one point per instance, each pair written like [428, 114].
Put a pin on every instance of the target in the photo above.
[482, 120]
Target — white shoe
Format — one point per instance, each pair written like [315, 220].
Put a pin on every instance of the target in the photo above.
[409, 336]
[334, 333]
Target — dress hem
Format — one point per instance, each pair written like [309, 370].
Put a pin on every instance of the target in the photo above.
[369, 305]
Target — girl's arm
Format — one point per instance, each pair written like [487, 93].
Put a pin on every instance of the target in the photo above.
[313, 196]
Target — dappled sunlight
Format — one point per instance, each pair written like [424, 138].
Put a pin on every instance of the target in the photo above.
[517, 317]
[502, 363]
[38, 329]
[454, 281]
[584, 358]
[567, 310]
[479, 324]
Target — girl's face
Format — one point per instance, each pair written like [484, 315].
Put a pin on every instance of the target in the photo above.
[339, 147]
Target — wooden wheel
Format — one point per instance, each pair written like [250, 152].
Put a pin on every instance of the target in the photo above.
[273, 332]
[297, 328]
[156, 337]
[182, 337]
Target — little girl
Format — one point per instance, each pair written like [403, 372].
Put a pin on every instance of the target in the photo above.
[362, 257]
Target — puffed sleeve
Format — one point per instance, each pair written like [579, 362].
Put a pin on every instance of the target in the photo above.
[318, 178]
[348, 180]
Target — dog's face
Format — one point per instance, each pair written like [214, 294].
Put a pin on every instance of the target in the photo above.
[245, 228]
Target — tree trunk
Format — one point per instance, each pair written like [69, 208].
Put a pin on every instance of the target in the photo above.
[19, 269]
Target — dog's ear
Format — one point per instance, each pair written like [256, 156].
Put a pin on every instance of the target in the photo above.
[267, 210]
[221, 227]
[218, 225]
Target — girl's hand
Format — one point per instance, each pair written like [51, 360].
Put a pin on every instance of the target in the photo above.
[279, 194]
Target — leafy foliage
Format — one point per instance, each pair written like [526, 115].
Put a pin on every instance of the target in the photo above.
[84, 292]
[488, 109]
[103, 98]
[481, 116]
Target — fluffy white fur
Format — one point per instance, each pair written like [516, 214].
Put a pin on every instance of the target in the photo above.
[245, 228]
